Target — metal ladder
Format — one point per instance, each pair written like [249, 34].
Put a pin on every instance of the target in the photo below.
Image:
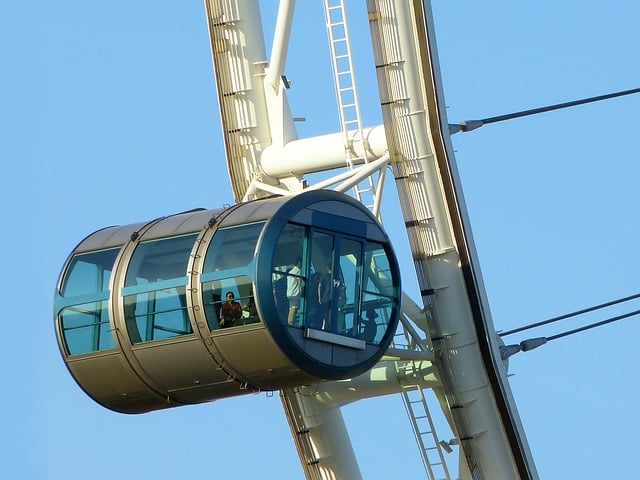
[350, 118]
[417, 408]
[347, 95]
[424, 431]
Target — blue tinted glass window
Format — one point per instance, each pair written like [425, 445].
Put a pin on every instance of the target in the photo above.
[289, 275]
[157, 260]
[89, 273]
[85, 325]
[342, 284]
[86, 328]
[155, 285]
[378, 294]
[227, 272]
[347, 287]
[320, 285]
[229, 302]
[232, 247]
[157, 314]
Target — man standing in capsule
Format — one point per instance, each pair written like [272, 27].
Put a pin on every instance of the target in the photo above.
[294, 289]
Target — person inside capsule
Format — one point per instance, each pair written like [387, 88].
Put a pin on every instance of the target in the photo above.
[370, 327]
[230, 312]
[294, 290]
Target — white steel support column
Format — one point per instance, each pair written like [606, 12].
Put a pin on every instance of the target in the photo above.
[280, 43]
[280, 119]
[317, 424]
[263, 156]
[321, 437]
[239, 60]
[255, 113]
[460, 326]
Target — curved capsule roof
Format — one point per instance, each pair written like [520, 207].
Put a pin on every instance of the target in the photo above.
[213, 303]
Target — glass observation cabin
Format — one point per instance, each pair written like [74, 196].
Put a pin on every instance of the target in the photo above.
[209, 304]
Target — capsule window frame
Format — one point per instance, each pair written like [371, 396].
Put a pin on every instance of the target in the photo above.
[228, 278]
[355, 328]
[142, 327]
[66, 303]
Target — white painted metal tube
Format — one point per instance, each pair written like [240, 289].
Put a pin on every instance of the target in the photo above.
[363, 172]
[239, 59]
[485, 415]
[321, 437]
[386, 378]
[280, 43]
[320, 153]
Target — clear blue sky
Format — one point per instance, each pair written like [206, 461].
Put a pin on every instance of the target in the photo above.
[109, 116]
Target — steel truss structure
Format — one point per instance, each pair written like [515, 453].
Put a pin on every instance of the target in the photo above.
[446, 342]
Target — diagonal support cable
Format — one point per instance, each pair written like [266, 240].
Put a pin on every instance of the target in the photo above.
[569, 315]
[469, 125]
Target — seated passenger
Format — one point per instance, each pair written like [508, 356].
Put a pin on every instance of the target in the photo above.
[230, 312]
[370, 327]
[251, 315]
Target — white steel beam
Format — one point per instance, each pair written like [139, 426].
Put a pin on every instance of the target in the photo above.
[467, 355]
[280, 119]
[280, 44]
[320, 436]
[321, 153]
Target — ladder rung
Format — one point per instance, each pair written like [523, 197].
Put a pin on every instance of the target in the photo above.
[347, 95]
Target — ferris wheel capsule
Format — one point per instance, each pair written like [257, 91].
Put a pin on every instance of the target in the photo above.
[209, 304]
